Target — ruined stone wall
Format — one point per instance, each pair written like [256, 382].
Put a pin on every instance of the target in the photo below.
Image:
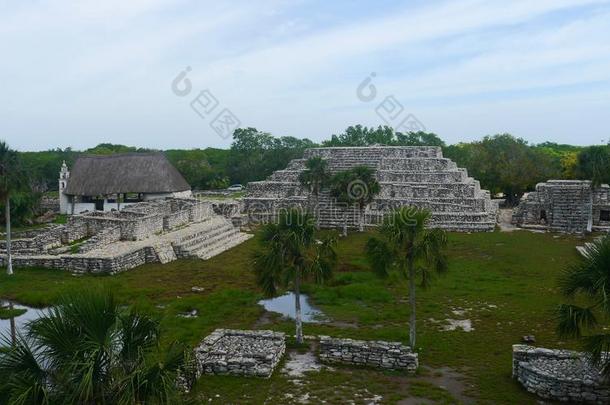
[48, 204]
[176, 220]
[143, 228]
[134, 226]
[378, 354]
[36, 241]
[601, 208]
[84, 264]
[51, 248]
[240, 352]
[200, 211]
[72, 231]
[564, 206]
[101, 239]
[560, 375]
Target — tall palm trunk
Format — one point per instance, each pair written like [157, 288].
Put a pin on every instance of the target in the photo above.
[590, 217]
[297, 306]
[361, 219]
[13, 328]
[9, 258]
[412, 317]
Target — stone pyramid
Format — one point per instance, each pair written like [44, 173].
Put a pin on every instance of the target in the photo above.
[409, 176]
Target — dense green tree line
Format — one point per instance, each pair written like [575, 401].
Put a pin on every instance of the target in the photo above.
[502, 163]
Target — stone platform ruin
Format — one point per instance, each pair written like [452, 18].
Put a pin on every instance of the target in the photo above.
[158, 231]
[560, 375]
[240, 352]
[408, 176]
[570, 206]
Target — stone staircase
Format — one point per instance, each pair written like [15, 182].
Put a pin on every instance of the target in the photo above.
[331, 214]
[211, 238]
[414, 176]
[165, 252]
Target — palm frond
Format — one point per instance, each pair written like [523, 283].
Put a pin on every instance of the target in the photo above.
[268, 267]
[433, 248]
[572, 319]
[426, 276]
[379, 256]
[22, 375]
[137, 332]
[598, 347]
[321, 259]
[156, 378]
[591, 275]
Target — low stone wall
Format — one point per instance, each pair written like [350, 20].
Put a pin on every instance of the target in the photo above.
[378, 354]
[176, 219]
[143, 228]
[49, 204]
[561, 375]
[240, 352]
[73, 230]
[79, 263]
[103, 238]
[36, 241]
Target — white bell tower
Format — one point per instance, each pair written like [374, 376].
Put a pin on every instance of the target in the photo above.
[64, 200]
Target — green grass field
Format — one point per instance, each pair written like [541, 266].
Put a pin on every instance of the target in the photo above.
[505, 283]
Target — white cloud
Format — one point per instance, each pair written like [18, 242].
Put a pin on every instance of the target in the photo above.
[77, 71]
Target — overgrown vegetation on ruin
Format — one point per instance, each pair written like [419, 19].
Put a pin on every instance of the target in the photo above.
[498, 281]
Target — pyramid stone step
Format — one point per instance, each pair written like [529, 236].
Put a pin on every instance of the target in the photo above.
[217, 249]
[418, 176]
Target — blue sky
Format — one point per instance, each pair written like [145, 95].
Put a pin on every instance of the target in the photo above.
[77, 73]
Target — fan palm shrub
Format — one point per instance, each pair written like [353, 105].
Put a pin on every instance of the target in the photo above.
[90, 350]
[407, 246]
[588, 282]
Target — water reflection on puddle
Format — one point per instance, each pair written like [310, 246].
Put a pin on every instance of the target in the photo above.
[20, 321]
[284, 305]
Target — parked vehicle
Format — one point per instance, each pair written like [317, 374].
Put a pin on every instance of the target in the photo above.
[235, 187]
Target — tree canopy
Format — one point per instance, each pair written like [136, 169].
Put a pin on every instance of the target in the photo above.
[359, 135]
[502, 163]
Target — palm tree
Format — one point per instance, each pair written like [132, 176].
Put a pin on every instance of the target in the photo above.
[408, 247]
[11, 180]
[356, 186]
[314, 177]
[89, 350]
[291, 254]
[589, 279]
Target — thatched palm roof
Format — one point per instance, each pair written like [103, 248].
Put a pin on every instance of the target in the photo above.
[124, 173]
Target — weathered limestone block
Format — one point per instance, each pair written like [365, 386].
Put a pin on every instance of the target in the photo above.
[101, 239]
[240, 352]
[560, 375]
[377, 354]
[570, 206]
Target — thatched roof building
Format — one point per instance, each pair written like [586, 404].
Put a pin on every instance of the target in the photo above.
[124, 173]
[106, 180]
